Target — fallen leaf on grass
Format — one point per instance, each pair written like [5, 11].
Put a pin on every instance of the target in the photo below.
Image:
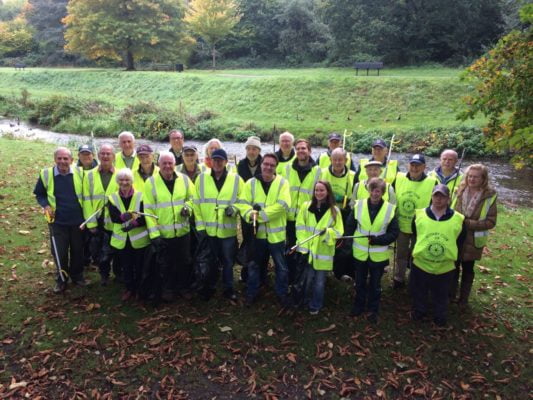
[225, 329]
[16, 385]
[291, 357]
[24, 232]
[484, 270]
[7, 341]
[155, 341]
[92, 306]
[328, 329]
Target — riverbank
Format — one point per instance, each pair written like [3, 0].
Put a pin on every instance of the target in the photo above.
[89, 342]
[418, 104]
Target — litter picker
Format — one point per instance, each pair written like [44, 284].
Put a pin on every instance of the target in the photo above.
[84, 223]
[388, 157]
[293, 248]
[458, 172]
[60, 271]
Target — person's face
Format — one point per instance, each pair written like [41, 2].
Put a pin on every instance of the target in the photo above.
[338, 161]
[285, 144]
[302, 152]
[218, 165]
[63, 159]
[321, 193]
[86, 158]
[268, 167]
[333, 144]
[176, 140]
[474, 179]
[146, 159]
[106, 157]
[448, 161]
[212, 147]
[373, 171]
[125, 184]
[127, 145]
[252, 152]
[375, 195]
[190, 157]
[439, 200]
[416, 170]
[379, 153]
[166, 166]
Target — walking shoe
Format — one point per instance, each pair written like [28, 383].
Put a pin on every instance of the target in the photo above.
[397, 284]
[346, 278]
[313, 312]
[372, 318]
[59, 287]
[230, 295]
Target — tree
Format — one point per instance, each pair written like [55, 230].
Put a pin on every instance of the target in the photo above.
[212, 20]
[9, 10]
[503, 81]
[303, 36]
[16, 38]
[126, 30]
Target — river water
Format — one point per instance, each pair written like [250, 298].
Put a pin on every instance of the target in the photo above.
[515, 187]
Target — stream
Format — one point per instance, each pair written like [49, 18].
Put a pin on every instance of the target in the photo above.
[515, 187]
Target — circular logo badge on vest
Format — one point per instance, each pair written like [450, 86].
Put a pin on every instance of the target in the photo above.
[408, 205]
[436, 249]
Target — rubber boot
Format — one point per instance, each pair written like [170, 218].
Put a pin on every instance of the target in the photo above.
[467, 279]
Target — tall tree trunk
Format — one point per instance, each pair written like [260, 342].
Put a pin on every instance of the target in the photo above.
[130, 66]
[213, 53]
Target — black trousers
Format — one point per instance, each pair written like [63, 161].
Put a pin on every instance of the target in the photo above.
[131, 261]
[177, 271]
[292, 259]
[423, 286]
[69, 246]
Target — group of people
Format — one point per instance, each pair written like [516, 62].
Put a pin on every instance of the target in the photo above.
[169, 227]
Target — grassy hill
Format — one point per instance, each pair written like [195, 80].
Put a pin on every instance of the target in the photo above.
[305, 101]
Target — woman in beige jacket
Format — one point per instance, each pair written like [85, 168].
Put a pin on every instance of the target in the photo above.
[476, 200]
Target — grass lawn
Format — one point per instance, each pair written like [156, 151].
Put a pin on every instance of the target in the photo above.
[304, 101]
[88, 343]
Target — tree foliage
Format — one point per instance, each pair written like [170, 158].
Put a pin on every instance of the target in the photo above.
[126, 30]
[503, 80]
[11, 9]
[212, 20]
[16, 38]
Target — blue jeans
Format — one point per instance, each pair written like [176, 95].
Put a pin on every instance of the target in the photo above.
[262, 249]
[225, 250]
[367, 286]
[314, 288]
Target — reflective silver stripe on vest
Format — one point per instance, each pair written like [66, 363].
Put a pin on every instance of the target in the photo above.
[46, 177]
[221, 226]
[154, 191]
[283, 204]
[235, 189]
[305, 228]
[383, 228]
[173, 227]
[138, 236]
[379, 249]
[119, 237]
[90, 178]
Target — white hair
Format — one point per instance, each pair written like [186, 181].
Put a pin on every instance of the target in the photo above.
[164, 154]
[62, 149]
[288, 134]
[108, 146]
[126, 134]
[338, 150]
[209, 142]
[124, 173]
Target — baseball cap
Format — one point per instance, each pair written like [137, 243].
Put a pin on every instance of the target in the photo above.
[417, 159]
[373, 162]
[334, 136]
[379, 143]
[441, 188]
[86, 148]
[189, 147]
[144, 149]
[220, 153]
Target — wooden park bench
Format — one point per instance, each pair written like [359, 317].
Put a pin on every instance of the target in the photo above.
[377, 65]
[20, 66]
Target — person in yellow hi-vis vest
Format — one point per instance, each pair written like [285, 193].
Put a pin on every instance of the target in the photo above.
[438, 234]
[335, 142]
[476, 200]
[130, 235]
[217, 198]
[373, 170]
[379, 153]
[147, 167]
[126, 158]
[302, 173]
[374, 224]
[413, 191]
[168, 195]
[286, 153]
[266, 202]
[318, 225]
[99, 183]
[59, 191]
[447, 172]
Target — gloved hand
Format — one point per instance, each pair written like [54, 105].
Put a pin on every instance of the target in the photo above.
[185, 212]
[256, 207]
[159, 244]
[126, 216]
[230, 211]
[129, 225]
[323, 232]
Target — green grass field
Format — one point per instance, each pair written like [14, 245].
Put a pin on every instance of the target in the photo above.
[304, 101]
[88, 343]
